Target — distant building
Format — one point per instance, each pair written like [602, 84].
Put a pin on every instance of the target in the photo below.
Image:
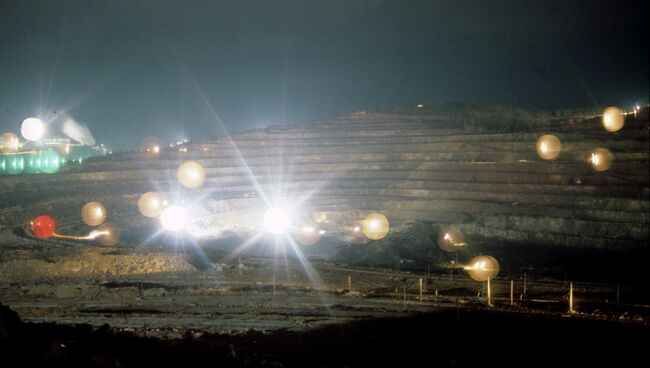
[80, 153]
[47, 156]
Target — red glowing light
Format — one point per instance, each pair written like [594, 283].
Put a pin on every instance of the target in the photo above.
[43, 226]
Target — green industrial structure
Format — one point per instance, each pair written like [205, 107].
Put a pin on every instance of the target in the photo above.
[46, 156]
[32, 162]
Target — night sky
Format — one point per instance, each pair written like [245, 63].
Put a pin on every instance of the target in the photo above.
[131, 69]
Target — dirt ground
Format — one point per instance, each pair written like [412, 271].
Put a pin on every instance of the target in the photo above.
[160, 294]
[65, 305]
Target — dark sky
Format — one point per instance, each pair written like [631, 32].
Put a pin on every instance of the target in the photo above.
[131, 69]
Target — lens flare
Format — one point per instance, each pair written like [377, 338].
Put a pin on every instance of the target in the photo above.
[9, 142]
[174, 218]
[191, 175]
[151, 204]
[308, 233]
[451, 239]
[277, 220]
[107, 234]
[600, 159]
[93, 213]
[549, 147]
[375, 226]
[32, 129]
[482, 268]
[613, 119]
[43, 226]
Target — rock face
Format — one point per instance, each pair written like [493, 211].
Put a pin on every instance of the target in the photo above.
[476, 169]
[92, 265]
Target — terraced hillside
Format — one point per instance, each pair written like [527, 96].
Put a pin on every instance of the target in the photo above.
[423, 169]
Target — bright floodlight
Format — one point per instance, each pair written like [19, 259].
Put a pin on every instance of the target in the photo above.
[613, 119]
[174, 218]
[277, 220]
[32, 129]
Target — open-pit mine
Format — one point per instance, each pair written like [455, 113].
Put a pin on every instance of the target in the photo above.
[379, 221]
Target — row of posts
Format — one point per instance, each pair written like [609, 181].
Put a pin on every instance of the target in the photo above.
[489, 292]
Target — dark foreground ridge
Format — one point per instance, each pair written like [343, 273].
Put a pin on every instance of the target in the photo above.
[453, 337]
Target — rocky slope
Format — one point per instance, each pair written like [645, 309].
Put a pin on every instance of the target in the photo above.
[423, 168]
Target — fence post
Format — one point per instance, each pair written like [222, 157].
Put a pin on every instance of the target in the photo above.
[489, 293]
[571, 297]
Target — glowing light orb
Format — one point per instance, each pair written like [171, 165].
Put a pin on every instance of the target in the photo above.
[107, 234]
[375, 226]
[191, 175]
[482, 268]
[549, 147]
[32, 129]
[308, 233]
[43, 226]
[277, 220]
[9, 142]
[174, 218]
[93, 213]
[613, 119]
[451, 239]
[600, 159]
[151, 204]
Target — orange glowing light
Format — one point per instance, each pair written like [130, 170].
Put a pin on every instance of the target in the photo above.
[482, 268]
[601, 159]
[451, 239]
[613, 119]
[549, 147]
[151, 204]
[375, 226]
